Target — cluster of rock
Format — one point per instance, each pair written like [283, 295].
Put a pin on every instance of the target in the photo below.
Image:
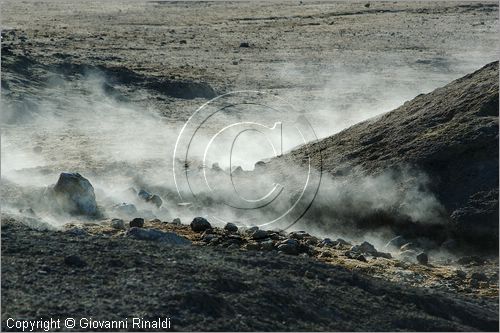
[395, 263]
[294, 243]
[74, 194]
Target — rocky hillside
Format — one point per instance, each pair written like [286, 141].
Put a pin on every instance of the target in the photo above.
[451, 134]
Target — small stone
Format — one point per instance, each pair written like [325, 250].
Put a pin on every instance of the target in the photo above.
[361, 258]
[364, 247]
[259, 234]
[144, 195]
[355, 255]
[259, 165]
[75, 261]
[207, 238]
[231, 227]
[423, 258]
[251, 230]
[151, 198]
[289, 246]
[326, 242]
[216, 167]
[176, 221]
[200, 224]
[138, 222]
[182, 41]
[156, 200]
[244, 44]
[118, 224]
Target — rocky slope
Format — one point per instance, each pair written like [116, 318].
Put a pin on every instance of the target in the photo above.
[108, 271]
[451, 134]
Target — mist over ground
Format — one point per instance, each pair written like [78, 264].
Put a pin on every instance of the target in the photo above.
[152, 153]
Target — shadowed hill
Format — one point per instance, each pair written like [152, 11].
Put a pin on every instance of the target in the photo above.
[451, 134]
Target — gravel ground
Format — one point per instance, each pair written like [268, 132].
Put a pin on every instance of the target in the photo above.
[213, 289]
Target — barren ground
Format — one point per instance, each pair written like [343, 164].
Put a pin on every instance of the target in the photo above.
[337, 63]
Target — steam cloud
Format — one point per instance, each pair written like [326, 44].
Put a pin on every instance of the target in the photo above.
[77, 126]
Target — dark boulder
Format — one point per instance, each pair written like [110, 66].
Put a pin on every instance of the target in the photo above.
[75, 195]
